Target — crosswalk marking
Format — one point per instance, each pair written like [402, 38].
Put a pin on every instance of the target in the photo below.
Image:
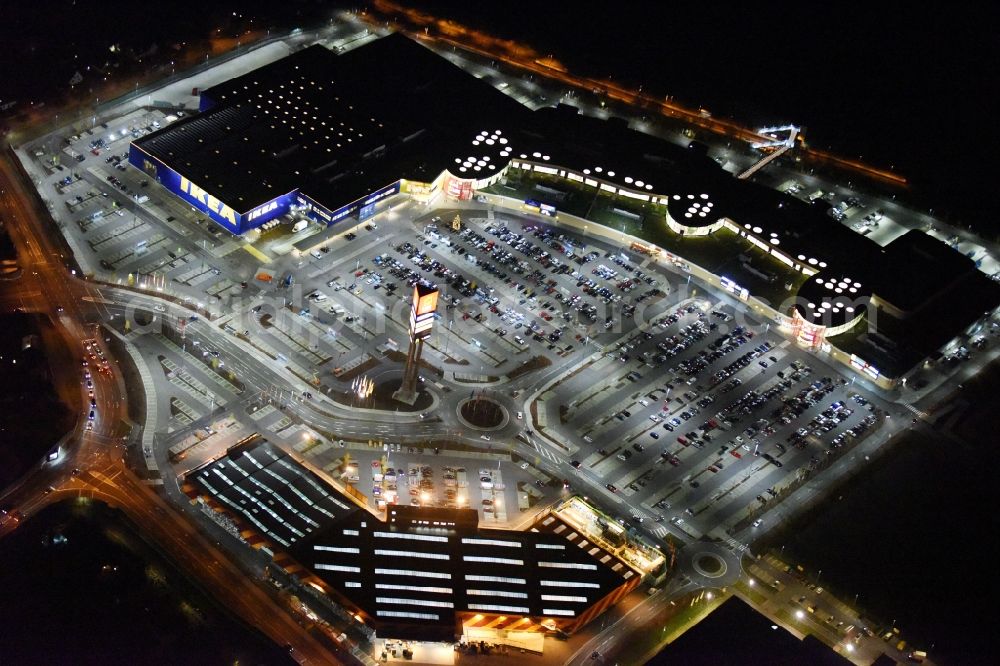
[545, 452]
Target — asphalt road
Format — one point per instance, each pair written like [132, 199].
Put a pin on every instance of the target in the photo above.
[97, 454]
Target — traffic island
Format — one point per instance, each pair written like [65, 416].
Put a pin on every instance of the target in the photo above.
[709, 565]
[386, 394]
[379, 394]
[482, 414]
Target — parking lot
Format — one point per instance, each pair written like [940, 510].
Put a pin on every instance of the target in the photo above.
[511, 290]
[681, 407]
[500, 490]
[697, 419]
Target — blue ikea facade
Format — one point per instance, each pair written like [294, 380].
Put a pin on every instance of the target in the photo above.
[236, 222]
[320, 213]
[239, 222]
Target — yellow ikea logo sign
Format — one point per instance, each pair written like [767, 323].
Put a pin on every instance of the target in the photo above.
[210, 202]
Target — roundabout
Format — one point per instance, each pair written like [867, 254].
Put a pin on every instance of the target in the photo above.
[710, 564]
[482, 414]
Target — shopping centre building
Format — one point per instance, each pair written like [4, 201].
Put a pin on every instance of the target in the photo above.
[328, 136]
[429, 574]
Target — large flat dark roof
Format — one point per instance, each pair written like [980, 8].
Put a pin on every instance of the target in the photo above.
[336, 127]
[917, 268]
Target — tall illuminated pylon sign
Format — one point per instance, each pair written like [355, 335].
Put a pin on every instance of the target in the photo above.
[423, 308]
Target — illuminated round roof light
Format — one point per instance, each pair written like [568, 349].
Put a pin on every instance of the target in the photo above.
[523, 156]
[611, 174]
[775, 241]
[458, 160]
[802, 257]
[857, 284]
[486, 158]
[639, 183]
[812, 261]
[462, 168]
[536, 154]
[687, 214]
[690, 196]
[819, 282]
[810, 305]
[849, 308]
[826, 305]
[490, 142]
[497, 132]
[853, 290]
[481, 163]
[470, 158]
[757, 230]
[545, 157]
[502, 140]
[504, 153]
[774, 234]
[696, 206]
[822, 264]
[477, 167]
[649, 186]
[587, 171]
[839, 290]
[475, 143]
[598, 169]
[628, 179]
[817, 314]
[702, 214]
[677, 197]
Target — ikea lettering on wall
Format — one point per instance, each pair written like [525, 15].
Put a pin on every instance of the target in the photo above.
[210, 202]
[266, 208]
